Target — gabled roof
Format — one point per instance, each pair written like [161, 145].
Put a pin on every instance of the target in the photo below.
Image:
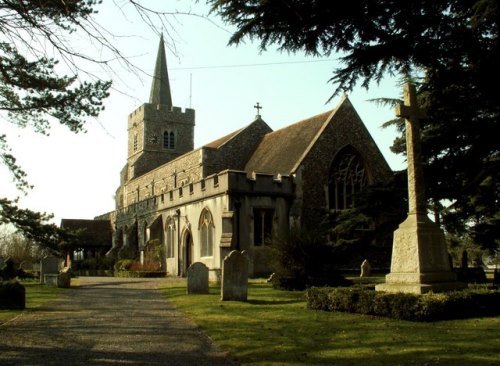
[160, 88]
[225, 139]
[281, 151]
[221, 141]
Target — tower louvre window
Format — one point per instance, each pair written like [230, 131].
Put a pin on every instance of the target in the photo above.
[135, 142]
[172, 140]
[168, 140]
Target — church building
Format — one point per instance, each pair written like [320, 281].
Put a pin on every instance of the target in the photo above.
[237, 192]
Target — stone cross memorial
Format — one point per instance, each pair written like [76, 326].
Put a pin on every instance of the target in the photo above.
[420, 261]
[234, 277]
[197, 279]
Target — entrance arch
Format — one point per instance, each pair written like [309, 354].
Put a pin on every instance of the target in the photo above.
[186, 252]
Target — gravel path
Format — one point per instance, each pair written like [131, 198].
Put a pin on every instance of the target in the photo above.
[107, 321]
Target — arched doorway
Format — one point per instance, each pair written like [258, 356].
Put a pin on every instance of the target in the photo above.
[186, 252]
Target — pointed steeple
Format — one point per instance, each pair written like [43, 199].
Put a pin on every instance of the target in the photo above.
[160, 88]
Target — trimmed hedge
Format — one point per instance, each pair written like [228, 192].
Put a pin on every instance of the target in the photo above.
[428, 307]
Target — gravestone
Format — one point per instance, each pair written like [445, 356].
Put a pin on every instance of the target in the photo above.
[234, 277]
[197, 278]
[12, 295]
[49, 266]
[419, 262]
[365, 269]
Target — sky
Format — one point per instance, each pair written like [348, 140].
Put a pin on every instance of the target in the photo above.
[76, 175]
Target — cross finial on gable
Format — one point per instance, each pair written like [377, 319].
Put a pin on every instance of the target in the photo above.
[258, 107]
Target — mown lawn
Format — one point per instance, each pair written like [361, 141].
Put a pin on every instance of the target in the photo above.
[275, 328]
[36, 295]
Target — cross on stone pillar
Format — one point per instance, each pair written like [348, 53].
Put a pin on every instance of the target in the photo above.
[412, 115]
[258, 107]
[420, 261]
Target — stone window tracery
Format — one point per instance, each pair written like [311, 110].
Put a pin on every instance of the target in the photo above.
[347, 177]
[170, 236]
[206, 227]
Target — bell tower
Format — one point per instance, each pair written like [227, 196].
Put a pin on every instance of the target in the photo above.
[158, 132]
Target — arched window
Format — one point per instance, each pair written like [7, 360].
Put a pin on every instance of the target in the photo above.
[170, 236]
[206, 227]
[347, 177]
[172, 140]
[168, 140]
[165, 140]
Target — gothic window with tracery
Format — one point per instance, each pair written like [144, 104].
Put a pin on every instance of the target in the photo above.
[206, 227]
[170, 236]
[347, 177]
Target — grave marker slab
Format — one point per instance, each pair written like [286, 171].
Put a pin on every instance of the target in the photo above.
[235, 277]
[48, 265]
[197, 278]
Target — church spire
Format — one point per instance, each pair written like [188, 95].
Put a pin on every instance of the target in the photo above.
[160, 88]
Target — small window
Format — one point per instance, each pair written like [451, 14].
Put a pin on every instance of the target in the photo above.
[171, 141]
[262, 226]
[165, 140]
[135, 143]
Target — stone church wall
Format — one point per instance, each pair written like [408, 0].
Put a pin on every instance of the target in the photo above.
[345, 129]
[218, 194]
[146, 126]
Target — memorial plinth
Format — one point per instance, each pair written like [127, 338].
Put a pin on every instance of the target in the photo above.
[420, 261]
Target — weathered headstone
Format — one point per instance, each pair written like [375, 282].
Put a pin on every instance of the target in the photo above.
[365, 269]
[197, 278]
[419, 262]
[49, 266]
[235, 277]
[12, 295]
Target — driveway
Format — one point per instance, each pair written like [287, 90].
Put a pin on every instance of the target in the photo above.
[108, 321]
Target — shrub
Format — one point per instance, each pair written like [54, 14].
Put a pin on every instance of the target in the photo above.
[123, 265]
[428, 307]
[303, 259]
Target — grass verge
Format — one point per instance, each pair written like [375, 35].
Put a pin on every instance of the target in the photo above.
[36, 295]
[275, 328]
